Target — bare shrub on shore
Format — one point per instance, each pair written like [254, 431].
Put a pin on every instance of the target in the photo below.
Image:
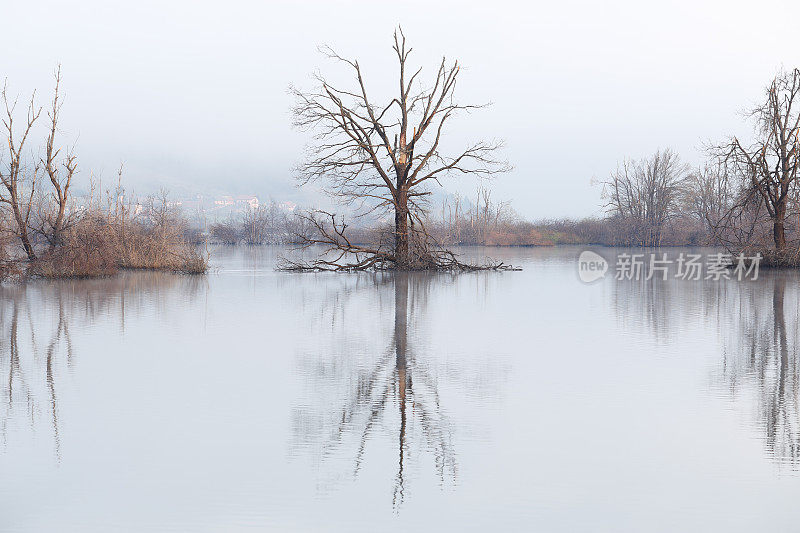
[7, 265]
[483, 221]
[255, 225]
[100, 242]
[269, 224]
[265, 224]
[224, 233]
[86, 249]
[57, 238]
[153, 238]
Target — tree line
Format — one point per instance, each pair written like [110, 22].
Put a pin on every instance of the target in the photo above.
[383, 158]
[744, 197]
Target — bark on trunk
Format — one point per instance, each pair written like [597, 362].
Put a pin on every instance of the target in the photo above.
[58, 225]
[26, 243]
[23, 234]
[779, 235]
[401, 206]
[778, 229]
[401, 230]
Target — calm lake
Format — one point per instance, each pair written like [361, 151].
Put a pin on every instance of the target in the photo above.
[252, 400]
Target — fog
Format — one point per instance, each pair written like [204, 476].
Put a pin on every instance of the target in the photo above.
[193, 96]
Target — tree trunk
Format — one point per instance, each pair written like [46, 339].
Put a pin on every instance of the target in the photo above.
[26, 243]
[22, 230]
[58, 225]
[778, 230]
[401, 229]
[779, 236]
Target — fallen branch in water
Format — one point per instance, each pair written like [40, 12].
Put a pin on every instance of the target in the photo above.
[341, 255]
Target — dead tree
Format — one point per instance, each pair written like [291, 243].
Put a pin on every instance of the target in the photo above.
[18, 180]
[643, 195]
[255, 225]
[768, 168]
[708, 195]
[381, 157]
[54, 218]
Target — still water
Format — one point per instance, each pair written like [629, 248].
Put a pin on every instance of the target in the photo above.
[252, 400]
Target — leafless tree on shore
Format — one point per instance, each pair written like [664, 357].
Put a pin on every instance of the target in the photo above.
[34, 210]
[54, 219]
[18, 179]
[768, 167]
[708, 193]
[644, 195]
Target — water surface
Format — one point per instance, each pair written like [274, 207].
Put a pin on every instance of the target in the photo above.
[522, 401]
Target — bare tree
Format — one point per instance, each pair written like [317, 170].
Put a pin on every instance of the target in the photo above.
[255, 224]
[54, 219]
[224, 232]
[382, 157]
[768, 168]
[264, 224]
[19, 180]
[644, 195]
[708, 195]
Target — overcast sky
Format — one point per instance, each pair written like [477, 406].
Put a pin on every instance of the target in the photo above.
[192, 95]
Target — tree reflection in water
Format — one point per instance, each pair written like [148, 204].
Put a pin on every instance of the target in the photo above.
[29, 388]
[36, 350]
[758, 323]
[760, 359]
[395, 391]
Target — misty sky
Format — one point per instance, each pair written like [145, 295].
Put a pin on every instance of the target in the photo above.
[193, 96]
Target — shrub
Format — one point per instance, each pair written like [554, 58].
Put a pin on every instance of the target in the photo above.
[99, 245]
[224, 233]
